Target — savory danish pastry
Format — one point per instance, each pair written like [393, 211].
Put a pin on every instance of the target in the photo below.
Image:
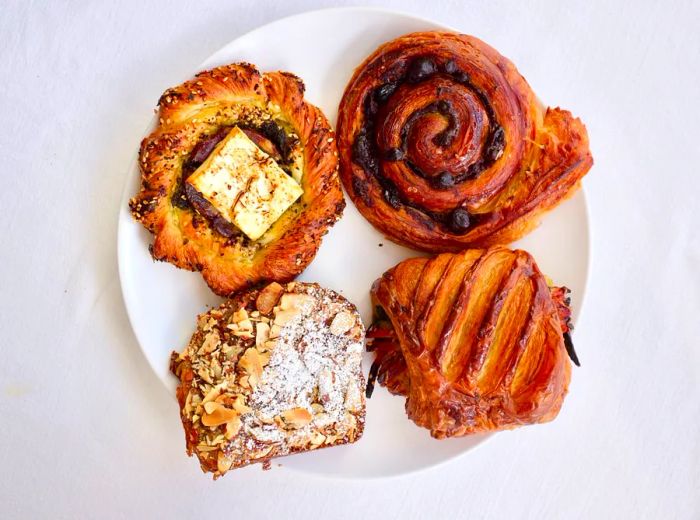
[239, 179]
[476, 341]
[269, 373]
[443, 144]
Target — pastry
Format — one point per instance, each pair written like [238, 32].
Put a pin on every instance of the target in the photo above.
[476, 341]
[271, 372]
[444, 146]
[239, 179]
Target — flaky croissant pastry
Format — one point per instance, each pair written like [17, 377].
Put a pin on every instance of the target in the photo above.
[476, 341]
[444, 146]
[289, 191]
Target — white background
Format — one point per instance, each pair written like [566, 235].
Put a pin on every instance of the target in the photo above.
[86, 429]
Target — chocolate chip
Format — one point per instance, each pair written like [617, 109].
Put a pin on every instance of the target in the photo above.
[446, 137]
[371, 378]
[444, 180]
[392, 198]
[371, 107]
[475, 169]
[461, 77]
[277, 135]
[444, 107]
[394, 154]
[380, 314]
[496, 145]
[383, 92]
[459, 220]
[362, 152]
[420, 69]
[361, 189]
[570, 349]
[450, 66]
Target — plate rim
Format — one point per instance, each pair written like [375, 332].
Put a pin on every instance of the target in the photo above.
[124, 215]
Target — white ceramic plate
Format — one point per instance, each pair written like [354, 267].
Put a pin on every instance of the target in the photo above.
[323, 48]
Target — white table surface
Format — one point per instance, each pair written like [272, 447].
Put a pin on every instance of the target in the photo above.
[87, 431]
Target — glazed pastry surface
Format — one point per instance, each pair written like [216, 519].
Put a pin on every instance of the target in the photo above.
[443, 145]
[476, 341]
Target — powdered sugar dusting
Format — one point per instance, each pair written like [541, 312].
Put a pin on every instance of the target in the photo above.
[311, 365]
[272, 376]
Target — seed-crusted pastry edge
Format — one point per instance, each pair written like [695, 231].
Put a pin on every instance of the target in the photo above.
[189, 112]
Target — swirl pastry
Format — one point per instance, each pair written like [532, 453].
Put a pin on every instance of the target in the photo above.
[443, 145]
[271, 372]
[239, 179]
[476, 341]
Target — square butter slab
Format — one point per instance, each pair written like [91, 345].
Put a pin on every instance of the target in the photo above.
[245, 185]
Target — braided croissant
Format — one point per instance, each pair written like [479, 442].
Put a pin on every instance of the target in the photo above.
[476, 341]
[193, 118]
[443, 145]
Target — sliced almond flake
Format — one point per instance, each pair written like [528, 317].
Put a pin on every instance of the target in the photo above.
[264, 452]
[217, 414]
[246, 325]
[252, 363]
[262, 333]
[296, 301]
[317, 439]
[296, 417]
[282, 317]
[240, 406]
[223, 462]
[188, 404]
[233, 427]
[275, 331]
[342, 322]
[211, 341]
[214, 392]
[239, 316]
[205, 375]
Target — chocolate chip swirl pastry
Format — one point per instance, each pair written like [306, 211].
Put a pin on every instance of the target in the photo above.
[476, 341]
[443, 145]
[269, 373]
[239, 179]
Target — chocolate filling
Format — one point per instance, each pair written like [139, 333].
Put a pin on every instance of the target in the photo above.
[366, 153]
[205, 208]
[206, 145]
[203, 149]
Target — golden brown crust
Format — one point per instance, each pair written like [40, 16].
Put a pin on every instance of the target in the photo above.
[474, 340]
[443, 144]
[225, 96]
[269, 373]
